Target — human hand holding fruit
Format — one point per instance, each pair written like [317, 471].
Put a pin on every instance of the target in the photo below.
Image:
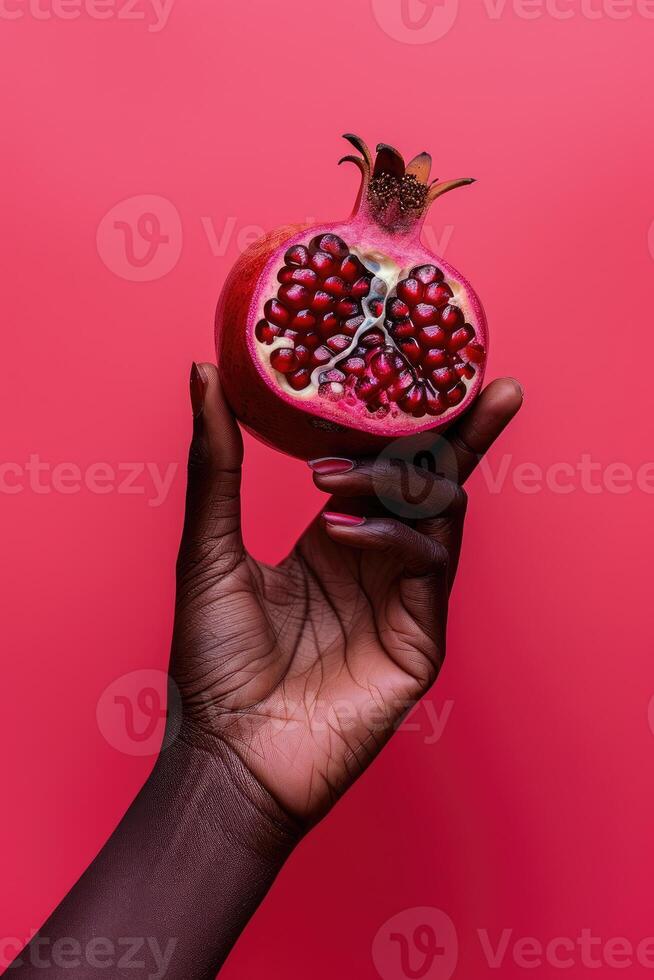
[354, 617]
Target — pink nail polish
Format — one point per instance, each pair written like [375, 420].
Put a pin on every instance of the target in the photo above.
[343, 520]
[329, 465]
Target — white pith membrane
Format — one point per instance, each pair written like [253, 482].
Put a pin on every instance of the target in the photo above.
[369, 392]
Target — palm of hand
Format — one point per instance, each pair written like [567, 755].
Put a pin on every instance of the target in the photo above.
[306, 668]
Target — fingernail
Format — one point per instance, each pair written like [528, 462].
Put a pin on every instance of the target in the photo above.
[328, 465]
[198, 385]
[519, 387]
[343, 520]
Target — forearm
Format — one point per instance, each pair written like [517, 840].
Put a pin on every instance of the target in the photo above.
[182, 874]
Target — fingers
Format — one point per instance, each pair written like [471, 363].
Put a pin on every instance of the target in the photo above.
[429, 495]
[423, 561]
[212, 525]
[476, 431]
[417, 554]
[436, 505]
[405, 489]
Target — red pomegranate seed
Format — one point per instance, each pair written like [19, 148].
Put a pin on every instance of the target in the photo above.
[266, 332]
[351, 268]
[432, 337]
[283, 359]
[403, 330]
[361, 287]
[397, 388]
[285, 274]
[351, 326]
[330, 243]
[465, 370]
[435, 403]
[382, 366]
[294, 295]
[460, 338]
[329, 325]
[333, 375]
[297, 255]
[451, 317]
[332, 390]
[335, 286]
[426, 274]
[300, 379]
[321, 302]
[424, 315]
[338, 343]
[303, 354]
[355, 366]
[411, 350]
[474, 352]
[443, 378]
[304, 320]
[291, 334]
[438, 294]
[456, 394]
[321, 355]
[311, 339]
[372, 338]
[410, 290]
[376, 306]
[368, 388]
[347, 308]
[276, 313]
[414, 401]
[434, 358]
[325, 265]
[305, 277]
[397, 309]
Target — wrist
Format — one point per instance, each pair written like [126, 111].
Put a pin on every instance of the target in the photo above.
[228, 799]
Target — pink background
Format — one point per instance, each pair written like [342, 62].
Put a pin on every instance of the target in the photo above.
[533, 811]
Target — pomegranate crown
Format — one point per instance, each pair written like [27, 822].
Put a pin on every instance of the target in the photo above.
[395, 194]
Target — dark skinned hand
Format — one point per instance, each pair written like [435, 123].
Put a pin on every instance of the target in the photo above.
[305, 669]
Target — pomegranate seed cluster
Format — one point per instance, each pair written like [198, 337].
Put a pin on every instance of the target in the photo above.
[420, 361]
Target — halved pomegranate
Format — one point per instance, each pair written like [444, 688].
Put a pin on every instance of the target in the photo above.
[336, 339]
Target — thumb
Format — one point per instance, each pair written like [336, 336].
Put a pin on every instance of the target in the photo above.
[212, 523]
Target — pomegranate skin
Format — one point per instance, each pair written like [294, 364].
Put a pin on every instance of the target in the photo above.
[306, 424]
